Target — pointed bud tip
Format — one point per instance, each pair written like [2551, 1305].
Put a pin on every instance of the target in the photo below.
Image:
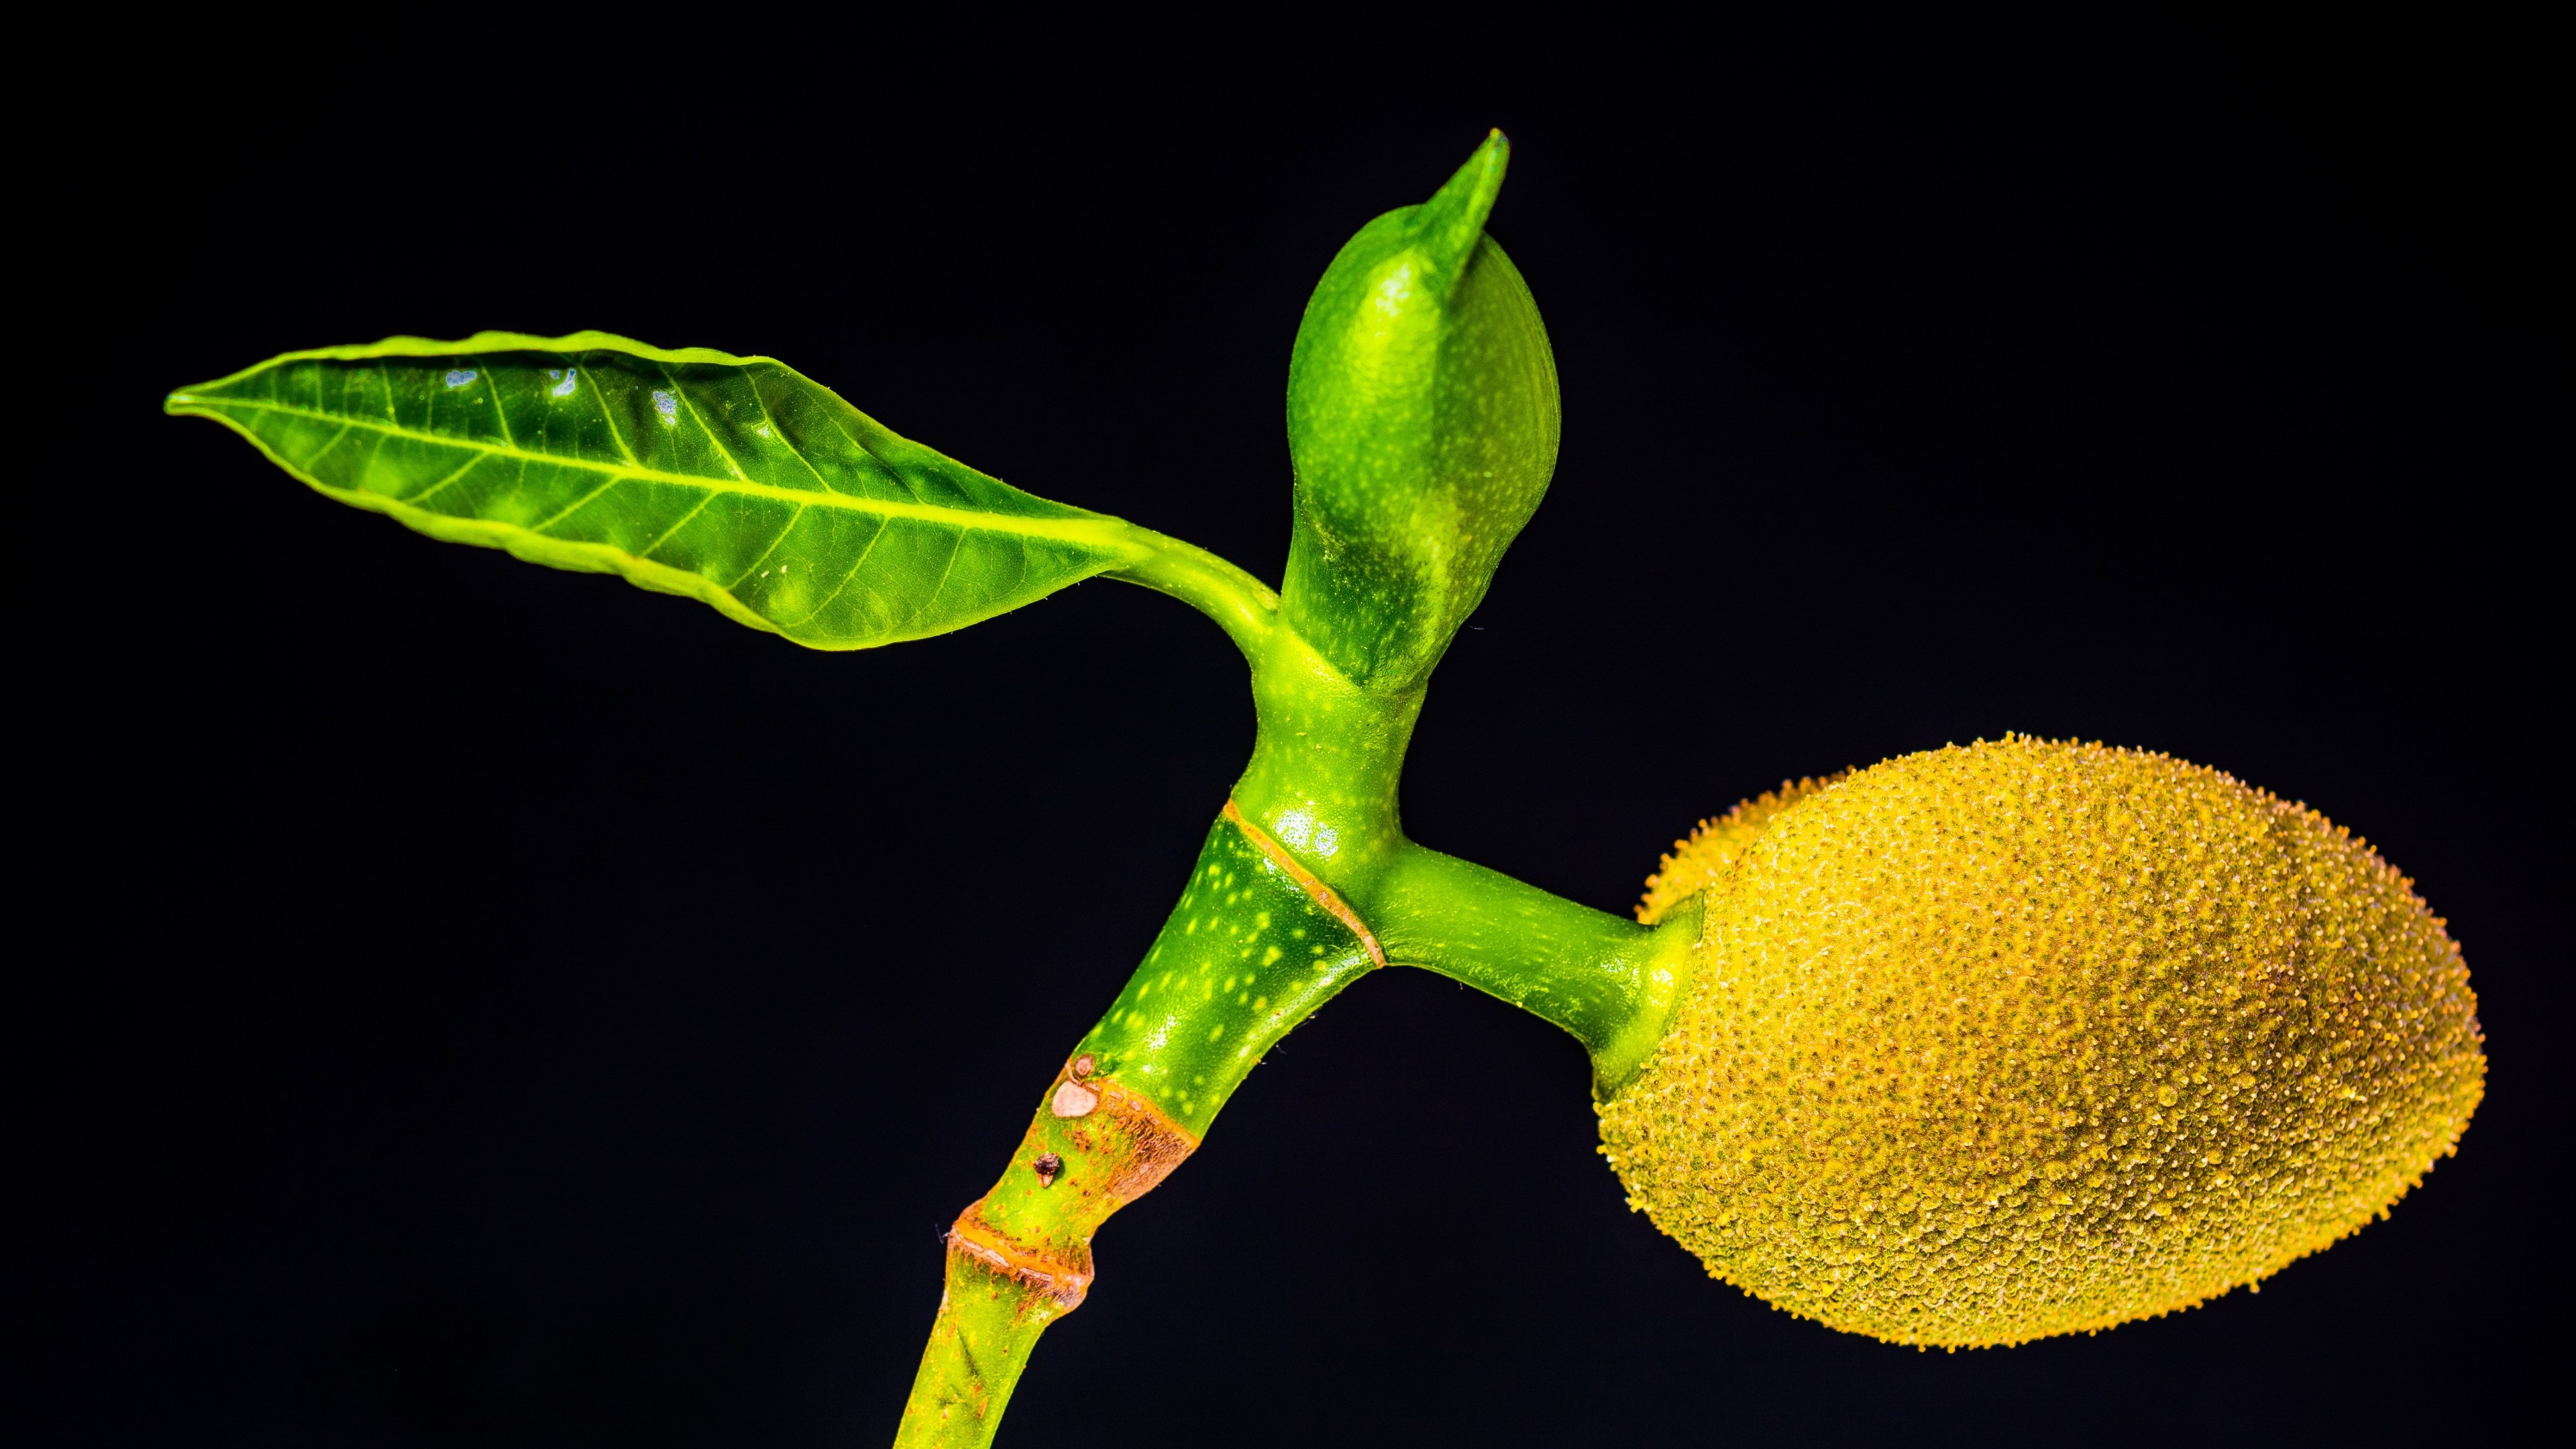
[1452, 220]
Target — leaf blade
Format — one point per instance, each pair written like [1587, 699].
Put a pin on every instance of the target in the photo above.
[733, 480]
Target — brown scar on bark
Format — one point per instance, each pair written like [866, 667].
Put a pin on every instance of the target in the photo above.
[1125, 1147]
[1144, 1145]
[1306, 880]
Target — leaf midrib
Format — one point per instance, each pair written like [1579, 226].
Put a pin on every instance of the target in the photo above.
[1102, 532]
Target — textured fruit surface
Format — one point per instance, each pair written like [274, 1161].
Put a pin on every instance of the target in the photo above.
[1715, 845]
[2025, 1038]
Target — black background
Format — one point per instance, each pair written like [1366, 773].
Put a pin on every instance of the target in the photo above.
[475, 1004]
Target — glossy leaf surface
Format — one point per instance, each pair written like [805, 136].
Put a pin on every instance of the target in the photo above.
[735, 480]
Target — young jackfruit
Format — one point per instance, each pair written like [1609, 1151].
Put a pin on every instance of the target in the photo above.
[1717, 844]
[2026, 1038]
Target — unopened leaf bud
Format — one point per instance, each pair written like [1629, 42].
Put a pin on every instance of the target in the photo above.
[1422, 423]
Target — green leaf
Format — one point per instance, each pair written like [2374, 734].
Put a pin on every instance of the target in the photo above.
[735, 480]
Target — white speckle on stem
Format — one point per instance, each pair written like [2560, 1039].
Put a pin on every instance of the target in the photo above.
[1296, 827]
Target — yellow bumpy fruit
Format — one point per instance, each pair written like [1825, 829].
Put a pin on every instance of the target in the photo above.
[2028, 1038]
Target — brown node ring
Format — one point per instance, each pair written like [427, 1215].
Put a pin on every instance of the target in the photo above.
[1062, 1276]
[1125, 1146]
[1307, 881]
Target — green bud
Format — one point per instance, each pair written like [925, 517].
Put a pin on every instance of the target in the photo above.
[1422, 422]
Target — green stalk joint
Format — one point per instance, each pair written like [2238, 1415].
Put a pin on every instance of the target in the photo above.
[1255, 945]
[1610, 982]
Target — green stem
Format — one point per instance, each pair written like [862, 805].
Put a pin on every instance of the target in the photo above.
[1303, 885]
[1255, 945]
[1243, 606]
[1610, 982]
[988, 1324]
[1326, 763]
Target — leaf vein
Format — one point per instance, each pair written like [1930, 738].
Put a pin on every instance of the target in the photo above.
[461, 469]
[956, 548]
[770, 420]
[665, 535]
[1093, 531]
[569, 509]
[700, 419]
[792, 520]
[608, 415]
[847, 575]
[492, 390]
